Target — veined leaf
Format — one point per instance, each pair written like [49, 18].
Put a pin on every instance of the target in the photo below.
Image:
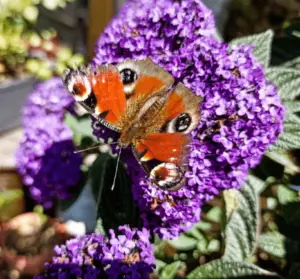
[214, 245]
[292, 106]
[262, 43]
[286, 80]
[295, 63]
[276, 244]
[241, 229]
[292, 128]
[99, 227]
[80, 126]
[183, 243]
[282, 157]
[292, 118]
[215, 214]
[288, 141]
[228, 269]
[273, 244]
[170, 270]
[159, 265]
[231, 202]
[286, 195]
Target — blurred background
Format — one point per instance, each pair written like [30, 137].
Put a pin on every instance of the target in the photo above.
[40, 38]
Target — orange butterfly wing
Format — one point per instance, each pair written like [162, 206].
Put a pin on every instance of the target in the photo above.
[108, 89]
[164, 147]
[100, 92]
[172, 139]
[162, 154]
[150, 80]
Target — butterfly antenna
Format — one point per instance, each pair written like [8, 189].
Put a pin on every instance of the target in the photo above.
[94, 147]
[116, 171]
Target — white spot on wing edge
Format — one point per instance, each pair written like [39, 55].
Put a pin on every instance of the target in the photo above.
[74, 76]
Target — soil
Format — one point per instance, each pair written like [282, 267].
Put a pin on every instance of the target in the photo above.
[42, 239]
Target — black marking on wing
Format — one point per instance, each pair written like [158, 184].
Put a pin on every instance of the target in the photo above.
[90, 102]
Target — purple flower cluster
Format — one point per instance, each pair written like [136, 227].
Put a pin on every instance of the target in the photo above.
[125, 254]
[45, 158]
[241, 112]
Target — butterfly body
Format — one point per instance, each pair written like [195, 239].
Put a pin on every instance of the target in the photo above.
[139, 100]
[140, 121]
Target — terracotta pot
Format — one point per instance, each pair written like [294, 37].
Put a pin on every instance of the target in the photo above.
[27, 223]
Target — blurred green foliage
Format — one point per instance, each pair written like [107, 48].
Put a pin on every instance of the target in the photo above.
[22, 49]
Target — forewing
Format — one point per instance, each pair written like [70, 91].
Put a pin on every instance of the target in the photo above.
[100, 91]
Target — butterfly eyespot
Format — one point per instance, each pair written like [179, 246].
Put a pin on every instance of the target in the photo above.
[167, 176]
[77, 84]
[183, 122]
[128, 76]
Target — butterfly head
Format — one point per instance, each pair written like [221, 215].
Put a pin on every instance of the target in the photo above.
[130, 134]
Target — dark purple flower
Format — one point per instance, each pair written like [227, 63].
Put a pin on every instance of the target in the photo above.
[45, 158]
[241, 112]
[127, 253]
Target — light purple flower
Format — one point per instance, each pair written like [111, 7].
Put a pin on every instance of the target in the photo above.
[45, 158]
[241, 112]
[126, 253]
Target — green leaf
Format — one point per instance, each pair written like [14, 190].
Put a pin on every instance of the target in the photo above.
[194, 232]
[282, 157]
[228, 269]
[159, 266]
[204, 226]
[262, 43]
[80, 126]
[231, 202]
[294, 63]
[292, 106]
[288, 141]
[170, 270]
[183, 243]
[115, 207]
[99, 227]
[256, 184]
[273, 243]
[241, 229]
[202, 246]
[214, 245]
[215, 214]
[218, 36]
[291, 118]
[285, 194]
[287, 82]
[276, 244]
